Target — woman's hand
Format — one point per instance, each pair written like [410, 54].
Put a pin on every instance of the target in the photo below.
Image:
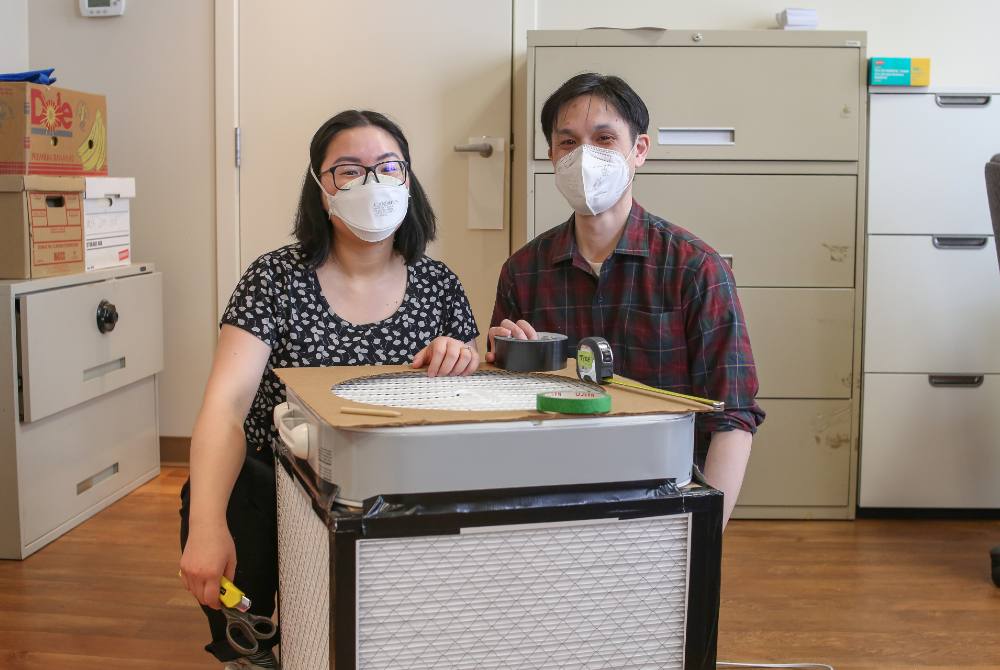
[446, 356]
[521, 330]
[208, 554]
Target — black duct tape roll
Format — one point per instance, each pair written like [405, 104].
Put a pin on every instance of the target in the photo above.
[545, 354]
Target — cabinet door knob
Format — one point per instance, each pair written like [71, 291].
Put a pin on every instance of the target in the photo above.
[107, 316]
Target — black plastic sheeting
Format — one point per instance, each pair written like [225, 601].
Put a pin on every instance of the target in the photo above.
[407, 515]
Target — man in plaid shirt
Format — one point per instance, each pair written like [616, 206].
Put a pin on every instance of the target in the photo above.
[664, 299]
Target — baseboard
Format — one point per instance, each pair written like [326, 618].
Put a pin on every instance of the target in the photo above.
[175, 450]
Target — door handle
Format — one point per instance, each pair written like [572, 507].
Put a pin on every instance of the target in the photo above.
[484, 149]
[955, 381]
[959, 242]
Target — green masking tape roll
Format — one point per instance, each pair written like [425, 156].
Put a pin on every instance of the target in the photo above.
[574, 402]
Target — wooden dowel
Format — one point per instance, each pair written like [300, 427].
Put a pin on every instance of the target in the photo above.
[370, 412]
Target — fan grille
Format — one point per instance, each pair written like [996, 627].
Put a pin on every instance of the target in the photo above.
[485, 390]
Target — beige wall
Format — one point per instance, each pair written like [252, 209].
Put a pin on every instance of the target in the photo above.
[155, 64]
[960, 36]
[13, 35]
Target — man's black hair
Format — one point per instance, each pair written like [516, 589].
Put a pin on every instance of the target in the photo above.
[609, 87]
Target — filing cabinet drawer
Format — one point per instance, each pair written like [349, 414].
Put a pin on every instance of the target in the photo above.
[65, 359]
[801, 455]
[802, 339]
[926, 159]
[779, 103]
[933, 446]
[68, 465]
[932, 305]
[779, 230]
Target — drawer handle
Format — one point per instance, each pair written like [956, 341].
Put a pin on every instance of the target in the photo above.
[962, 100]
[729, 259]
[697, 136]
[943, 242]
[107, 316]
[955, 381]
[103, 369]
[94, 480]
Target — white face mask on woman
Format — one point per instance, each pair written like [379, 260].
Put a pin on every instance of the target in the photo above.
[592, 179]
[372, 211]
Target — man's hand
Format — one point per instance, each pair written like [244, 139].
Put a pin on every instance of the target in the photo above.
[522, 330]
[446, 356]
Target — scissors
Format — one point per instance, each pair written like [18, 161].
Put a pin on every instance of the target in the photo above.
[243, 630]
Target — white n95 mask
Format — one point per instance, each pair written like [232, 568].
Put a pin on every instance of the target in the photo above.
[592, 179]
[372, 211]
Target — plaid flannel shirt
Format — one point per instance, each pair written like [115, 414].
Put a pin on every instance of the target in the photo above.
[664, 300]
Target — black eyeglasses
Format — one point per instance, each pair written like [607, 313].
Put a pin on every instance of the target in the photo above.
[345, 173]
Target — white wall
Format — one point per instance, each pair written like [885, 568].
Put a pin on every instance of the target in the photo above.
[155, 65]
[13, 35]
[960, 36]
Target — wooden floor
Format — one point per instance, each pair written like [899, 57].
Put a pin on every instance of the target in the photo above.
[883, 595]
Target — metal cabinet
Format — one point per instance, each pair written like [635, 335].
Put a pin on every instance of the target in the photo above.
[79, 356]
[932, 309]
[758, 147]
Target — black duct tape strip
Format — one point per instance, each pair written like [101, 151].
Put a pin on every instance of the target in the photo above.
[546, 354]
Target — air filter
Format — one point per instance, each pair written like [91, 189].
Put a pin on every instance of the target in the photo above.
[582, 577]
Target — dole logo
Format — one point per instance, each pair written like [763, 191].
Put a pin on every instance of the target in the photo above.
[51, 114]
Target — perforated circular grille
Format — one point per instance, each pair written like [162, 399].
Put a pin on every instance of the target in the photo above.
[485, 390]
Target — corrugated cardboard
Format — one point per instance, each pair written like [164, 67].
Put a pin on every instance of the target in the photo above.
[312, 386]
[41, 226]
[106, 225]
[50, 130]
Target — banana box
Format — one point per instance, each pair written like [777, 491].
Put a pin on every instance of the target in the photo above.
[52, 131]
[41, 226]
[106, 225]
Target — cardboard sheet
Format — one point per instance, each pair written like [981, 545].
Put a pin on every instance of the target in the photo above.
[313, 386]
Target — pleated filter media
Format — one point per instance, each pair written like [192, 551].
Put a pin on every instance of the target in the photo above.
[303, 579]
[581, 595]
[576, 595]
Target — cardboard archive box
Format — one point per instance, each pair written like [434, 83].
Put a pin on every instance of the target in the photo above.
[41, 226]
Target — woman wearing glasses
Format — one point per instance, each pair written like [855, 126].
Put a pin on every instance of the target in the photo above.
[355, 289]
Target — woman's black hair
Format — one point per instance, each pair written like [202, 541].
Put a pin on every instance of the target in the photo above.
[313, 229]
[613, 89]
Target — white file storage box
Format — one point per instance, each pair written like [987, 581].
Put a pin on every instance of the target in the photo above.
[107, 228]
[443, 539]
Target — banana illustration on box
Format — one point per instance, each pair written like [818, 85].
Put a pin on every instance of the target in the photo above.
[93, 150]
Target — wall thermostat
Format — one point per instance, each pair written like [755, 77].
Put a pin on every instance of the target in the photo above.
[101, 8]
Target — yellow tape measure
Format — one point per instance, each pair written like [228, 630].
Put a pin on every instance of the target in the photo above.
[230, 595]
[595, 363]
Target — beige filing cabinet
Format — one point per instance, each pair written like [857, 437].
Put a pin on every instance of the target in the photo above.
[758, 147]
[78, 420]
[930, 425]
